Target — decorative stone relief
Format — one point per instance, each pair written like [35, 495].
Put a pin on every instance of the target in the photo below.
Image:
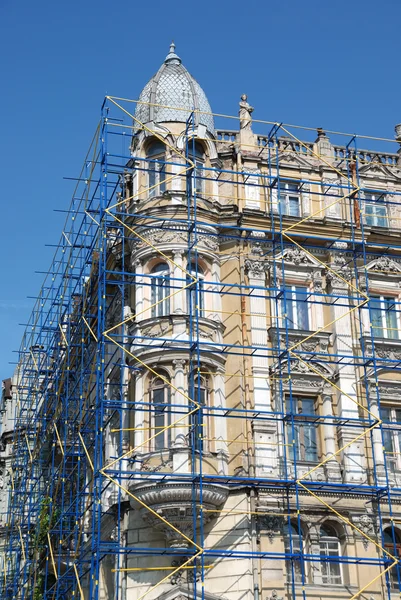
[366, 525]
[274, 596]
[385, 349]
[296, 256]
[187, 575]
[175, 504]
[164, 465]
[384, 264]
[255, 268]
[271, 525]
[210, 242]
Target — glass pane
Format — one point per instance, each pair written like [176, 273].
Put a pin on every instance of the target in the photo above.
[152, 178]
[162, 178]
[310, 442]
[308, 406]
[297, 440]
[385, 414]
[293, 206]
[381, 215]
[391, 318]
[288, 308]
[199, 182]
[302, 307]
[376, 316]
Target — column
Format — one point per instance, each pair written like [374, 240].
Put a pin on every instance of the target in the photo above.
[139, 303]
[139, 413]
[377, 438]
[332, 467]
[216, 308]
[219, 422]
[265, 432]
[353, 455]
[179, 439]
[179, 281]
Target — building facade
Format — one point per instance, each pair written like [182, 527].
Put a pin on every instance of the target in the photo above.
[210, 406]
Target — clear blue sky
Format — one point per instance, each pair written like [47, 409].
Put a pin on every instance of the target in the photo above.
[334, 64]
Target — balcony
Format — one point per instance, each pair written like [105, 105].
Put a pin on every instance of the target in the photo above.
[316, 345]
[385, 348]
[173, 330]
[175, 503]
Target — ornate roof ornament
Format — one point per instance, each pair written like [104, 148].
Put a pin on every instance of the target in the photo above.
[172, 94]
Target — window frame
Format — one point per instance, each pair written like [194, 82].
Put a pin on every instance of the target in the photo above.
[195, 295]
[385, 329]
[160, 291]
[198, 173]
[394, 573]
[292, 304]
[372, 199]
[163, 441]
[298, 546]
[325, 550]
[156, 168]
[201, 394]
[392, 434]
[287, 193]
[300, 447]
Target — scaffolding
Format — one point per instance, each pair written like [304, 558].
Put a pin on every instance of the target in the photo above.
[84, 443]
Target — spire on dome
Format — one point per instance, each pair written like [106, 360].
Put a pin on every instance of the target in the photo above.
[171, 95]
[172, 57]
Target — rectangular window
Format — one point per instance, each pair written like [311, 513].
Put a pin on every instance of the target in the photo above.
[376, 210]
[384, 318]
[199, 174]
[290, 199]
[157, 178]
[295, 305]
[301, 432]
[391, 417]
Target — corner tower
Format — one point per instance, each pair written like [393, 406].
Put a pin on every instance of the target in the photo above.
[171, 95]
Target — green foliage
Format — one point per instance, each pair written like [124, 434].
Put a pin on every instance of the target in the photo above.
[39, 587]
[47, 520]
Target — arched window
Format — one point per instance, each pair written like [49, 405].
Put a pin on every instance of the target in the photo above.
[198, 157]
[293, 545]
[160, 286]
[160, 410]
[392, 543]
[198, 390]
[330, 549]
[156, 165]
[195, 289]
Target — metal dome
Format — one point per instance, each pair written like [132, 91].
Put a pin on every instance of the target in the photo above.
[174, 87]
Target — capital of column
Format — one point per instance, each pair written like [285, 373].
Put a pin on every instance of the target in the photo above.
[255, 269]
[179, 364]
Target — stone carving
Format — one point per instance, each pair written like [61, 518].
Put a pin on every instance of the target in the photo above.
[317, 282]
[209, 242]
[365, 524]
[245, 112]
[296, 256]
[156, 330]
[385, 265]
[341, 282]
[274, 596]
[188, 575]
[272, 525]
[166, 465]
[255, 268]
[387, 349]
[175, 504]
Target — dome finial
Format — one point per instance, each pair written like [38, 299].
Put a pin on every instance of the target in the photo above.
[172, 57]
